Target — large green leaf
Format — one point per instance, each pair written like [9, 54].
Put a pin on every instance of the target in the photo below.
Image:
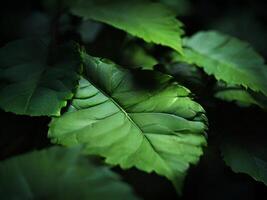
[140, 119]
[246, 155]
[228, 59]
[58, 173]
[34, 80]
[150, 21]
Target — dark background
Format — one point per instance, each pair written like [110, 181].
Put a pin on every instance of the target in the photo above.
[211, 179]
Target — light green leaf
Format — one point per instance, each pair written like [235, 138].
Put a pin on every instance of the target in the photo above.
[58, 173]
[35, 81]
[228, 59]
[150, 21]
[140, 119]
[246, 155]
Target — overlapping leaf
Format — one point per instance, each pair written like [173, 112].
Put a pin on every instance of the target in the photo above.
[228, 59]
[141, 119]
[31, 82]
[246, 155]
[242, 96]
[135, 56]
[150, 21]
[58, 173]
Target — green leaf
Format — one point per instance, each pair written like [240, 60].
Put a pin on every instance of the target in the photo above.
[228, 59]
[35, 81]
[186, 74]
[140, 119]
[58, 173]
[150, 21]
[242, 97]
[246, 155]
[238, 95]
[136, 56]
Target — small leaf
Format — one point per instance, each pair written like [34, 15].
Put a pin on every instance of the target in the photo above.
[141, 119]
[186, 74]
[241, 96]
[33, 84]
[150, 21]
[246, 155]
[58, 173]
[228, 59]
[136, 56]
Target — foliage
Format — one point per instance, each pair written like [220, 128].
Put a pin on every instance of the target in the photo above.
[119, 80]
[149, 21]
[33, 85]
[57, 173]
[154, 129]
[246, 156]
[228, 59]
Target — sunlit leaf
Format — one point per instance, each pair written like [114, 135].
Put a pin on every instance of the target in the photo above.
[150, 21]
[140, 119]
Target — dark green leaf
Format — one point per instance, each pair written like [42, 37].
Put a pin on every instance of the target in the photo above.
[246, 155]
[58, 173]
[181, 7]
[34, 80]
[137, 57]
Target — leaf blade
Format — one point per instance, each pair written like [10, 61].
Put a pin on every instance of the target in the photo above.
[246, 156]
[150, 21]
[31, 86]
[154, 129]
[58, 173]
[228, 59]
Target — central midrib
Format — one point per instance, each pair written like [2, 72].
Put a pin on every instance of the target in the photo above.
[130, 119]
